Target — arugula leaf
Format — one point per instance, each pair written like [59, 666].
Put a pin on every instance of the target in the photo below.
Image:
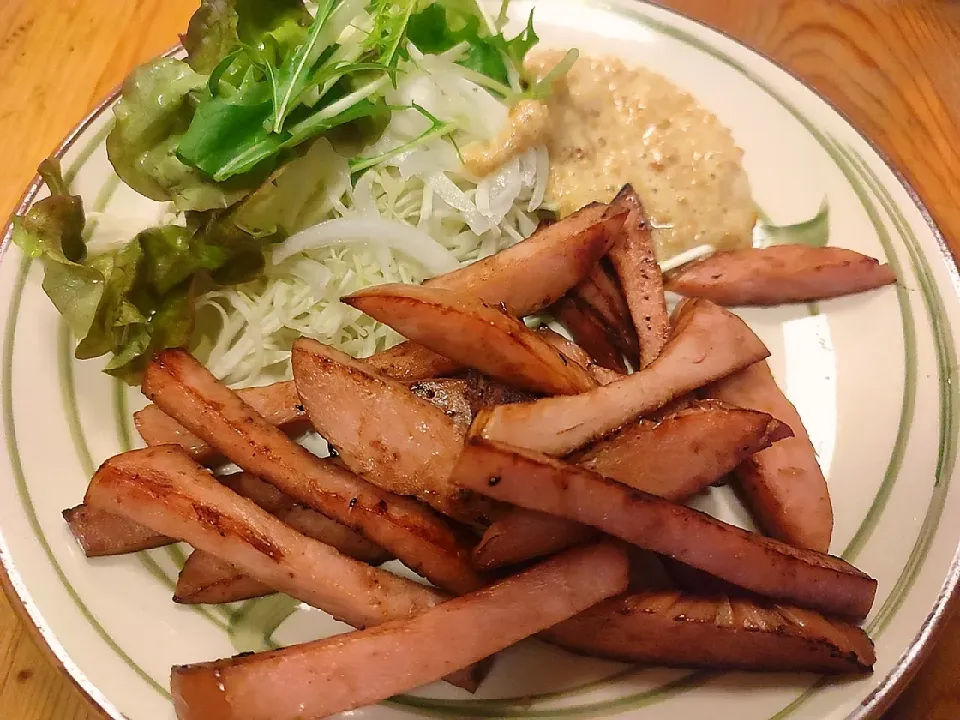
[502, 14]
[392, 21]
[275, 84]
[239, 42]
[514, 53]
[445, 24]
[542, 88]
[331, 74]
[356, 109]
[245, 127]
[517, 48]
[229, 138]
[224, 129]
[486, 58]
[437, 128]
[431, 33]
[292, 79]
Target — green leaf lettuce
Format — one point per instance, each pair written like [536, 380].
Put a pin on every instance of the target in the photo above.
[136, 300]
[154, 111]
[52, 230]
[219, 26]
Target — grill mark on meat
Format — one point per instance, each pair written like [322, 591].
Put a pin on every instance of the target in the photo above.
[226, 525]
[453, 542]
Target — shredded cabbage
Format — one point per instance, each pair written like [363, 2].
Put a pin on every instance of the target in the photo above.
[408, 210]
[417, 214]
[386, 228]
[334, 131]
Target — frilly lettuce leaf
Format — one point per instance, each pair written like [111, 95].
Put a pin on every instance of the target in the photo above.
[149, 302]
[136, 300]
[156, 108]
[118, 315]
[54, 226]
[162, 99]
[283, 21]
[52, 231]
[219, 26]
[211, 34]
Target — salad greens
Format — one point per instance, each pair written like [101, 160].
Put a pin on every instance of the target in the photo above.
[442, 26]
[436, 129]
[154, 111]
[53, 230]
[139, 298]
[217, 133]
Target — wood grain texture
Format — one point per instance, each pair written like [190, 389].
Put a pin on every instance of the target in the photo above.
[892, 66]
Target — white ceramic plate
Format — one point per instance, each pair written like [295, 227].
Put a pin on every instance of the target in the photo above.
[872, 376]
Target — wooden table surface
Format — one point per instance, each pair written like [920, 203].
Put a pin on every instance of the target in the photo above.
[893, 66]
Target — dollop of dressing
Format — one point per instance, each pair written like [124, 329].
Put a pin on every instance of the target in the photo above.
[610, 124]
[527, 126]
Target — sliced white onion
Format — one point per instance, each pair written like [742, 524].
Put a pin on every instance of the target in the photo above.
[695, 253]
[542, 175]
[440, 156]
[504, 188]
[525, 224]
[453, 196]
[528, 167]
[513, 234]
[482, 198]
[398, 236]
[455, 98]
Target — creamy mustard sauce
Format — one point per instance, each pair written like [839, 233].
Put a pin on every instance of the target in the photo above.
[527, 127]
[610, 124]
